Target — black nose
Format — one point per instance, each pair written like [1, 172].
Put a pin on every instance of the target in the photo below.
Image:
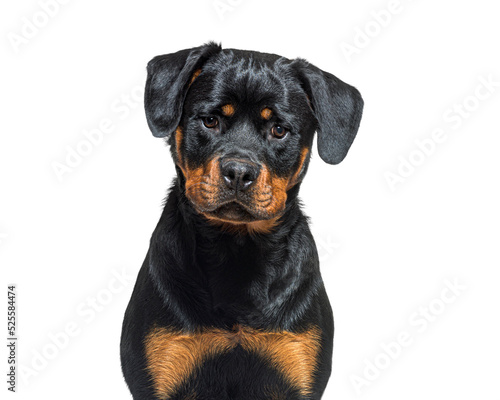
[239, 174]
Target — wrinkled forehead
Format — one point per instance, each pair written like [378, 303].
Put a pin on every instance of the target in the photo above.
[250, 78]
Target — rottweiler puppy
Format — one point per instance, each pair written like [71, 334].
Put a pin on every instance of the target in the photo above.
[230, 303]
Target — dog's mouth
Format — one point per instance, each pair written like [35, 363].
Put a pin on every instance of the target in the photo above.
[232, 212]
[218, 204]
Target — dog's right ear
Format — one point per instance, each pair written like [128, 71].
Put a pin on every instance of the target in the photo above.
[169, 78]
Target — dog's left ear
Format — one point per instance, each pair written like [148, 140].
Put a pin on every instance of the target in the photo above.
[169, 78]
[337, 106]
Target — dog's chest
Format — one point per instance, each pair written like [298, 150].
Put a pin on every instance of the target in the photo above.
[175, 358]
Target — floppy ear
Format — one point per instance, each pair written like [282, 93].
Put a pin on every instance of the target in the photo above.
[338, 108]
[169, 77]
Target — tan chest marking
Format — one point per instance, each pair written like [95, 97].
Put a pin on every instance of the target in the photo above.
[173, 355]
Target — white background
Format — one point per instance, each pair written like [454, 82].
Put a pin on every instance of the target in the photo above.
[385, 253]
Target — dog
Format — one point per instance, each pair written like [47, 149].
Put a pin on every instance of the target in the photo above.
[230, 303]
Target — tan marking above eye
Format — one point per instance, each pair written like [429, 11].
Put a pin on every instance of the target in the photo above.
[228, 110]
[266, 113]
[172, 355]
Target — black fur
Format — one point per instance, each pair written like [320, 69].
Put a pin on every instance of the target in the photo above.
[200, 275]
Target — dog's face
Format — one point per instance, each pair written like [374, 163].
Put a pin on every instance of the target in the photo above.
[244, 138]
[241, 125]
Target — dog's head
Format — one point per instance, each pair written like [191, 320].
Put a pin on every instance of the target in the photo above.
[241, 124]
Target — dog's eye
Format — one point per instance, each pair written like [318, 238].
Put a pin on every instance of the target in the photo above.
[210, 122]
[278, 131]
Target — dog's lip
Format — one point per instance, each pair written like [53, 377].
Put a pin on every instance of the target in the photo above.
[233, 211]
[225, 201]
[232, 204]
